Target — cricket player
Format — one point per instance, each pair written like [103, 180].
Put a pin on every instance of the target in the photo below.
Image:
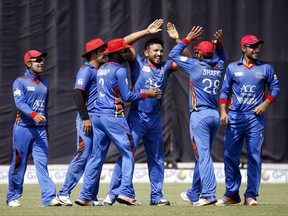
[245, 83]
[85, 92]
[30, 132]
[109, 123]
[205, 73]
[144, 117]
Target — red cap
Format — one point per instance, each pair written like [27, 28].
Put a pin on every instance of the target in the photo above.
[116, 45]
[250, 40]
[33, 54]
[205, 47]
[92, 45]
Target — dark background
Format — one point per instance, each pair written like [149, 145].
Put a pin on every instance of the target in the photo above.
[62, 27]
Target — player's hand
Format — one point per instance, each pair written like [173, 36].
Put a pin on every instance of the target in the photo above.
[218, 37]
[39, 118]
[87, 126]
[172, 31]
[195, 33]
[154, 27]
[224, 119]
[261, 108]
[153, 93]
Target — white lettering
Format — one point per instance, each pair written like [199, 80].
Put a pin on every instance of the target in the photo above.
[30, 88]
[103, 72]
[242, 100]
[80, 82]
[238, 74]
[212, 72]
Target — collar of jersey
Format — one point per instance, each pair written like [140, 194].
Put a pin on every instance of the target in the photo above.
[30, 75]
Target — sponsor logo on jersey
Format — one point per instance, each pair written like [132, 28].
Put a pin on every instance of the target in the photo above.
[259, 75]
[247, 91]
[248, 88]
[39, 105]
[17, 92]
[183, 58]
[30, 88]
[146, 69]
[149, 83]
[242, 100]
[237, 74]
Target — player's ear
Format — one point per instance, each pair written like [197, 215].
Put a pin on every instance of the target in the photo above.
[29, 64]
[146, 53]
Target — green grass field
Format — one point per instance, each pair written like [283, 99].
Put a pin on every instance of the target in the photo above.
[272, 201]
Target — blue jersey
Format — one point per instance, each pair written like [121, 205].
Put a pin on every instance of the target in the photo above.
[144, 77]
[204, 75]
[246, 86]
[113, 89]
[86, 81]
[31, 97]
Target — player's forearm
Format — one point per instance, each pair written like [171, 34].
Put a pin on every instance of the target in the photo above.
[80, 102]
[223, 109]
[132, 38]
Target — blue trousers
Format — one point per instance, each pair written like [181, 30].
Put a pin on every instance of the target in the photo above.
[204, 125]
[105, 130]
[149, 128]
[28, 140]
[78, 163]
[248, 127]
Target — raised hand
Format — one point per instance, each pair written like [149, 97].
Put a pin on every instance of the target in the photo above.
[172, 31]
[154, 27]
[218, 37]
[195, 33]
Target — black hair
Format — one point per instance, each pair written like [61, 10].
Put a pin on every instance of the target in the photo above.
[153, 41]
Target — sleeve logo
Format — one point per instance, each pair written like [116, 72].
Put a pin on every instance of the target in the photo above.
[17, 92]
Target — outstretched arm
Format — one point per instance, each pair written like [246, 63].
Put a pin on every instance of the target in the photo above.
[153, 28]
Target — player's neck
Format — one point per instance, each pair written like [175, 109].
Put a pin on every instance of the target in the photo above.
[248, 61]
[95, 64]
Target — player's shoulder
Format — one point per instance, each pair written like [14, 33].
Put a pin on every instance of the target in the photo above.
[22, 77]
[84, 68]
[233, 63]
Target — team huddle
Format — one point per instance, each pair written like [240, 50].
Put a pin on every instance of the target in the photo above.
[101, 88]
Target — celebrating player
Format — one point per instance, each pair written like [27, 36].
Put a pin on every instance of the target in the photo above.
[85, 96]
[109, 123]
[144, 117]
[205, 73]
[244, 83]
[30, 132]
